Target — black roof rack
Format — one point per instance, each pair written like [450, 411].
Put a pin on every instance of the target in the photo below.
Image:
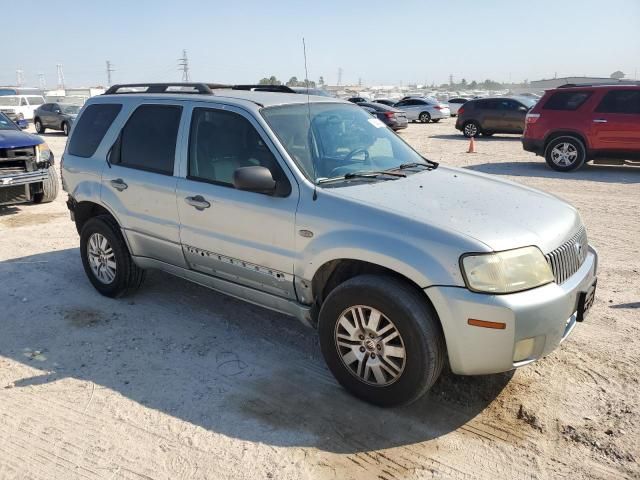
[263, 88]
[604, 84]
[201, 88]
[196, 88]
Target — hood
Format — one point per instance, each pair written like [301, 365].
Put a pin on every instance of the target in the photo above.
[16, 139]
[498, 213]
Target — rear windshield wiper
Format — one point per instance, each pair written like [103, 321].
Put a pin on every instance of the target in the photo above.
[363, 174]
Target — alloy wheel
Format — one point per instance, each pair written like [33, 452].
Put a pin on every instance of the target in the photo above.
[370, 345]
[102, 259]
[564, 154]
[471, 130]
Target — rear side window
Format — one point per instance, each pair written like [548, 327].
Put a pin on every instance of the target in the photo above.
[148, 140]
[620, 101]
[566, 100]
[487, 104]
[90, 130]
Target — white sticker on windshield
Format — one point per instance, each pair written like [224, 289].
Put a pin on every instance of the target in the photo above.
[376, 123]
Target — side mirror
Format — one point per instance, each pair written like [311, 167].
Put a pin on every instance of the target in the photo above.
[57, 110]
[254, 179]
[523, 109]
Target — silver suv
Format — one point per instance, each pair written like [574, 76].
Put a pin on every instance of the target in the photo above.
[309, 206]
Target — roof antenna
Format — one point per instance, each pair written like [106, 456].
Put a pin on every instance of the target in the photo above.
[306, 81]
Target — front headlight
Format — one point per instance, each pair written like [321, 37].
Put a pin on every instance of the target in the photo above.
[43, 154]
[506, 272]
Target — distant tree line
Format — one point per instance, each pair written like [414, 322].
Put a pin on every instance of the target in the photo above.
[293, 82]
[473, 85]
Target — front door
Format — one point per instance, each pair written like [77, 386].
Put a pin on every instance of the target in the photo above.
[240, 236]
[615, 123]
[140, 185]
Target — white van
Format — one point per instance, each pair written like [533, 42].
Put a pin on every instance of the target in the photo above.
[22, 105]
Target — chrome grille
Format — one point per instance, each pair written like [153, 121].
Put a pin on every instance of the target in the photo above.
[568, 257]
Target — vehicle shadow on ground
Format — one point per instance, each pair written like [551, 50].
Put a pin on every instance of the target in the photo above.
[494, 138]
[8, 210]
[589, 172]
[207, 359]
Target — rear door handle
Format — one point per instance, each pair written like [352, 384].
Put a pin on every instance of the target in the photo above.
[119, 184]
[599, 120]
[198, 202]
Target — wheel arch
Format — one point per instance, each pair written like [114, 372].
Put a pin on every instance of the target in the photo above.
[566, 133]
[84, 210]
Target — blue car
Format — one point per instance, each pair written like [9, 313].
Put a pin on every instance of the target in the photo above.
[27, 173]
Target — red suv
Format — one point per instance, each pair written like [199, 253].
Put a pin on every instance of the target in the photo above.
[573, 124]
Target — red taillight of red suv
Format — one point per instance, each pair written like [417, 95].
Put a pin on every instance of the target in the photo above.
[532, 118]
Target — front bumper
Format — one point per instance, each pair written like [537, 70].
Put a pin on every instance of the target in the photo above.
[543, 317]
[23, 178]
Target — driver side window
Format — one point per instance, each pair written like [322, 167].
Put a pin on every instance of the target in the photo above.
[221, 142]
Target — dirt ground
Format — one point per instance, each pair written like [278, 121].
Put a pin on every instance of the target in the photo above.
[179, 382]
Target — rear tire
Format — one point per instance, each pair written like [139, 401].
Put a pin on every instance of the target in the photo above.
[50, 187]
[565, 154]
[106, 258]
[358, 355]
[471, 129]
[38, 125]
[65, 128]
[424, 117]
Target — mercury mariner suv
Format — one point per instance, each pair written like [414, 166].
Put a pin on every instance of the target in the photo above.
[308, 206]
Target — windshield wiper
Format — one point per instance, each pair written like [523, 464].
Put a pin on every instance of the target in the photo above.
[363, 174]
[430, 165]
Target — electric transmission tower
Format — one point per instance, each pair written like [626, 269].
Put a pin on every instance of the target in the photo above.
[183, 64]
[42, 83]
[110, 69]
[20, 77]
[60, 76]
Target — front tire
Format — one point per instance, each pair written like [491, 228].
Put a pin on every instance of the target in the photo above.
[65, 128]
[424, 117]
[39, 127]
[565, 154]
[106, 259]
[50, 187]
[381, 339]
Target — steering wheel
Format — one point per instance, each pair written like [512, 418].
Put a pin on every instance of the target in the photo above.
[338, 171]
[352, 153]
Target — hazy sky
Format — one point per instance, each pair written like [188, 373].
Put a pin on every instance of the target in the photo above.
[380, 41]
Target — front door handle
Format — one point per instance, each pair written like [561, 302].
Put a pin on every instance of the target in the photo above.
[599, 120]
[119, 184]
[198, 202]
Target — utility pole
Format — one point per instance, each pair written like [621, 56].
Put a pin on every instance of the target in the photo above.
[20, 77]
[60, 76]
[339, 75]
[360, 81]
[183, 64]
[42, 83]
[110, 69]
[450, 79]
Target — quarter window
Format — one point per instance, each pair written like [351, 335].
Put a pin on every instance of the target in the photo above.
[148, 140]
[566, 100]
[620, 101]
[221, 142]
[91, 128]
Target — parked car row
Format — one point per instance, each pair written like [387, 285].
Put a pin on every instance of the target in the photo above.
[415, 109]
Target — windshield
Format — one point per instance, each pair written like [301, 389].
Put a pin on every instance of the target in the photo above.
[70, 109]
[6, 124]
[10, 101]
[329, 140]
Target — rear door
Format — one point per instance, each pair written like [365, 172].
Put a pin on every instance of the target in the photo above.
[240, 236]
[615, 123]
[514, 115]
[140, 185]
[486, 112]
[44, 113]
